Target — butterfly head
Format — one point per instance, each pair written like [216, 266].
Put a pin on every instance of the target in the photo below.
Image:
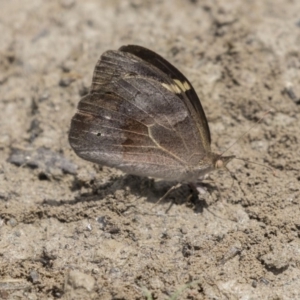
[211, 163]
[220, 162]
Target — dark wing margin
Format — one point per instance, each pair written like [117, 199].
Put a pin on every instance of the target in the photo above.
[163, 65]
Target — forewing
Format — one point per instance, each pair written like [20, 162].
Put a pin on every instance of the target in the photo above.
[187, 88]
[131, 121]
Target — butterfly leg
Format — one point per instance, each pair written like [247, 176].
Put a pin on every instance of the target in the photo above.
[196, 188]
[174, 187]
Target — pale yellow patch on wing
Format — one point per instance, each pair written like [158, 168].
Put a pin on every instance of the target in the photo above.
[172, 88]
[183, 86]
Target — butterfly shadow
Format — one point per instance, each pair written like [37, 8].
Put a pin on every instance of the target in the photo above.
[142, 189]
[160, 192]
[99, 189]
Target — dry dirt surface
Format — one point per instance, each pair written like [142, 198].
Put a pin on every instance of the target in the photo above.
[71, 229]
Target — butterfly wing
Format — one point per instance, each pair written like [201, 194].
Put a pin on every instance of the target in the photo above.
[188, 95]
[134, 120]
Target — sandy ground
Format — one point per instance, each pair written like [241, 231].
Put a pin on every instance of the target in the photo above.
[74, 230]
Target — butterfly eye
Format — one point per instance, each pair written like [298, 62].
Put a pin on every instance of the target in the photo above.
[219, 164]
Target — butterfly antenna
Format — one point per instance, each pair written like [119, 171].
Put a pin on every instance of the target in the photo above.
[233, 177]
[253, 126]
[245, 159]
[255, 163]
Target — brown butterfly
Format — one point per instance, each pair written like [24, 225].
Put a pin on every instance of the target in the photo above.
[143, 117]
